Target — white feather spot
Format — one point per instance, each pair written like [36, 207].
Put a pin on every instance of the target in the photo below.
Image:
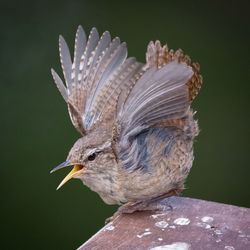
[161, 224]
[81, 65]
[181, 221]
[207, 219]
[160, 239]
[174, 246]
[79, 77]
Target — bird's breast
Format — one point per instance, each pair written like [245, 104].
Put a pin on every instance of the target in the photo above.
[116, 184]
[107, 184]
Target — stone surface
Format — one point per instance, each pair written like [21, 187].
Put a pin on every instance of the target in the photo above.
[191, 224]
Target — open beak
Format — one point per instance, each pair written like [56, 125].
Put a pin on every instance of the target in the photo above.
[74, 172]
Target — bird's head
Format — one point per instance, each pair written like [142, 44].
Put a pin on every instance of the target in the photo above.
[89, 156]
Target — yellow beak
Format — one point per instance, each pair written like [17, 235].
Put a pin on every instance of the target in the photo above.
[74, 172]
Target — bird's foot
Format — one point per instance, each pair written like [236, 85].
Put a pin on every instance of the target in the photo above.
[111, 218]
[127, 208]
[160, 203]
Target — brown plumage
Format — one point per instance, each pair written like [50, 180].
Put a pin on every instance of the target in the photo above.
[135, 119]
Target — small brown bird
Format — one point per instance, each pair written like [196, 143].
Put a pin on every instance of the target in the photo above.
[137, 128]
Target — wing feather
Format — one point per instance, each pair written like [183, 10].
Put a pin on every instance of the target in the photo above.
[97, 63]
[102, 84]
[91, 44]
[65, 60]
[80, 45]
[60, 85]
[160, 94]
[120, 82]
[111, 60]
[104, 42]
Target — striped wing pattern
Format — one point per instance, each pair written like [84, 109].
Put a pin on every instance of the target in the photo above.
[95, 78]
[102, 84]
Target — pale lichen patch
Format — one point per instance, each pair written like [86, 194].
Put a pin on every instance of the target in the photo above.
[207, 219]
[174, 246]
[204, 225]
[109, 228]
[161, 224]
[218, 231]
[229, 248]
[155, 216]
[181, 221]
[172, 226]
[143, 234]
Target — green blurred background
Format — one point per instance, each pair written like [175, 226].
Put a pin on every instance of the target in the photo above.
[36, 132]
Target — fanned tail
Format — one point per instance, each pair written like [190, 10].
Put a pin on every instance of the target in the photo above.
[159, 56]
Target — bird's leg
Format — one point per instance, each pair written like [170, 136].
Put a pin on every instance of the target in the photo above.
[159, 203]
[126, 208]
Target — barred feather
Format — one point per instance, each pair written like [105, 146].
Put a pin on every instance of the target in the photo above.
[160, 94]
[101, 84]
[65, 60]
[95, 66]
[159, 56]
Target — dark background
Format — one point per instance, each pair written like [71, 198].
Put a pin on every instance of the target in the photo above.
[36, 132]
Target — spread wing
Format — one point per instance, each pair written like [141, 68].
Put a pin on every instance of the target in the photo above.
[158, 103]
[159, 95]
[95, 78]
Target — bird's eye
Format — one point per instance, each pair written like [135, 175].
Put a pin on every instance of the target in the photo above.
[92, 157]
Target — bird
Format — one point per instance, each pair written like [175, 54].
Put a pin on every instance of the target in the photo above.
[135, 120]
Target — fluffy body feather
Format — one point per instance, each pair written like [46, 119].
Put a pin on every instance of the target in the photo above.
[135, 119]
